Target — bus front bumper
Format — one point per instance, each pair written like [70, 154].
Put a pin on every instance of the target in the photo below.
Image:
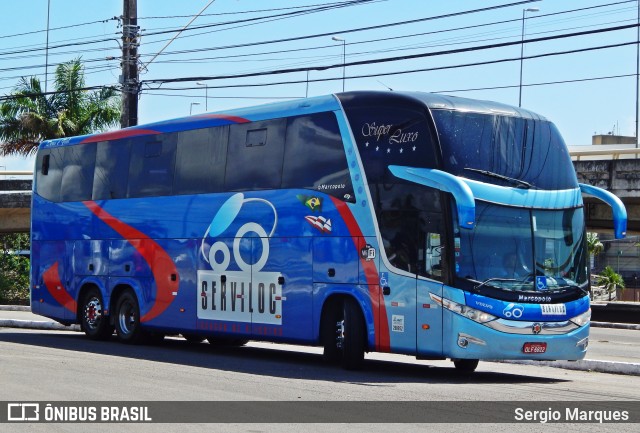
[507, 339]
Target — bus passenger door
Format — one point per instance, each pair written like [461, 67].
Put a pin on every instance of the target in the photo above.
[398, 292]
[428, 312]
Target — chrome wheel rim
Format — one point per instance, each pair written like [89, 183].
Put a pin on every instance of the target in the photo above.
[93, 313]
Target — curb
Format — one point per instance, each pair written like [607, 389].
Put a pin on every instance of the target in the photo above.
[612, 367]
[615, 325]
[34, 324]
[15, 308]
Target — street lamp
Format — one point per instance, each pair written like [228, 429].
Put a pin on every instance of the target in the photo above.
[524, 11]
[206, 95]
[344, 56]
[191, 107]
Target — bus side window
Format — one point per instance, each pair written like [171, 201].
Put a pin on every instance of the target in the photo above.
[254, 155]
[49, 177]
[152, 165]
[314, 156]
[78, 172]
[200, 160]
[112, 169]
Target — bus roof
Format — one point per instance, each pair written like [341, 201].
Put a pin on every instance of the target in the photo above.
[295, 107]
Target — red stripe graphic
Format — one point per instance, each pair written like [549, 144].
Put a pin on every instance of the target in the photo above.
[123, 133]
[53, 284]
[161, 264]
[234, 119]
[381, 324]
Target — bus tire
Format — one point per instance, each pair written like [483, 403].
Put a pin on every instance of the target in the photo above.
[228, 342]
[331, 316]
[353, 335]
[127, 319]
[466, 365]
[93, 322]
[193, 338]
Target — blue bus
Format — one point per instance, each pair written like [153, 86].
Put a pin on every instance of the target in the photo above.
[412, 223]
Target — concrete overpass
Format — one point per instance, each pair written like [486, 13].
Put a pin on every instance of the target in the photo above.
[15, 202]
[615, 169]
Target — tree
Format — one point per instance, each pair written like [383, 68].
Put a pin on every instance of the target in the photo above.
[28, 116]
[14, 269]
[594, 246]
[611, 280]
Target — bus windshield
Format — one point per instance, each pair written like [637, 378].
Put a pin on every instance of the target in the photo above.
[539, 250]
[479, 145]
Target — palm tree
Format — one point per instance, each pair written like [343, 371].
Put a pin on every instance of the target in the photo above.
[594, 246]
[28, 117]
[611, 280]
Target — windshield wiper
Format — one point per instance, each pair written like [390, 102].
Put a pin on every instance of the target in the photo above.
[508, 280]
[518, 182]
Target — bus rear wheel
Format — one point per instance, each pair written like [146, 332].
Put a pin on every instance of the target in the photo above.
[94, 323]
[228, 342]
[466, 365]
[128, 326]
[193, 338]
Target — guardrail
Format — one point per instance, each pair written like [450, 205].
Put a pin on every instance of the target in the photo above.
[576, 155]
[16, 173]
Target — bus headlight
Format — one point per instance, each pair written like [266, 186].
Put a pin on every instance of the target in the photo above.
[463, 310]
[583, 318]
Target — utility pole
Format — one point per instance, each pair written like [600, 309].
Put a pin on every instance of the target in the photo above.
[129, 77]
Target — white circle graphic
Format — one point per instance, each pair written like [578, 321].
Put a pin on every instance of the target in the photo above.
[226, 257]
[262, 234]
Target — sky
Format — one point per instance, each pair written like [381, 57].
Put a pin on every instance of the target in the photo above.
[585, 84]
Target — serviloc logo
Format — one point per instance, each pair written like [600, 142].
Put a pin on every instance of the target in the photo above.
[248, 295]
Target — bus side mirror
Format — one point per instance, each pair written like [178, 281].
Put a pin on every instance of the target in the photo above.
[465, 201]
[619, 211]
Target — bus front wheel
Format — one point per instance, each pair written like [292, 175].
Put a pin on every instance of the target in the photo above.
[353, 334]
[465, 365]
[344, 335]
[92, 319]
[128, 326]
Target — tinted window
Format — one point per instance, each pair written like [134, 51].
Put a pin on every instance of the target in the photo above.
[112, 169]
[49, 175]
[411, 225]
[152, 165]
[525, 149]
[200, 160]
[314, 156]
[391, 136]
[254, 157]
[77, 176]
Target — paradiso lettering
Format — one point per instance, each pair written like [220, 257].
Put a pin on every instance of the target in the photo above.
[396, 135]
[248, 295]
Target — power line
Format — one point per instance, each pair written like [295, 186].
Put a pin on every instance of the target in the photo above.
[361, 29]
[548, 83]
[375, 40]
[58, 28]
[390, 59]
[152, 92]
[55, 92]
[410, 71]
[266, 10]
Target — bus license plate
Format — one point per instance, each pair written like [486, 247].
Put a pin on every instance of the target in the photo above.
[534, 347]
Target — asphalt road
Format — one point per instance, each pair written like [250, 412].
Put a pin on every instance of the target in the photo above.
[606, 344]
[48, 365]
